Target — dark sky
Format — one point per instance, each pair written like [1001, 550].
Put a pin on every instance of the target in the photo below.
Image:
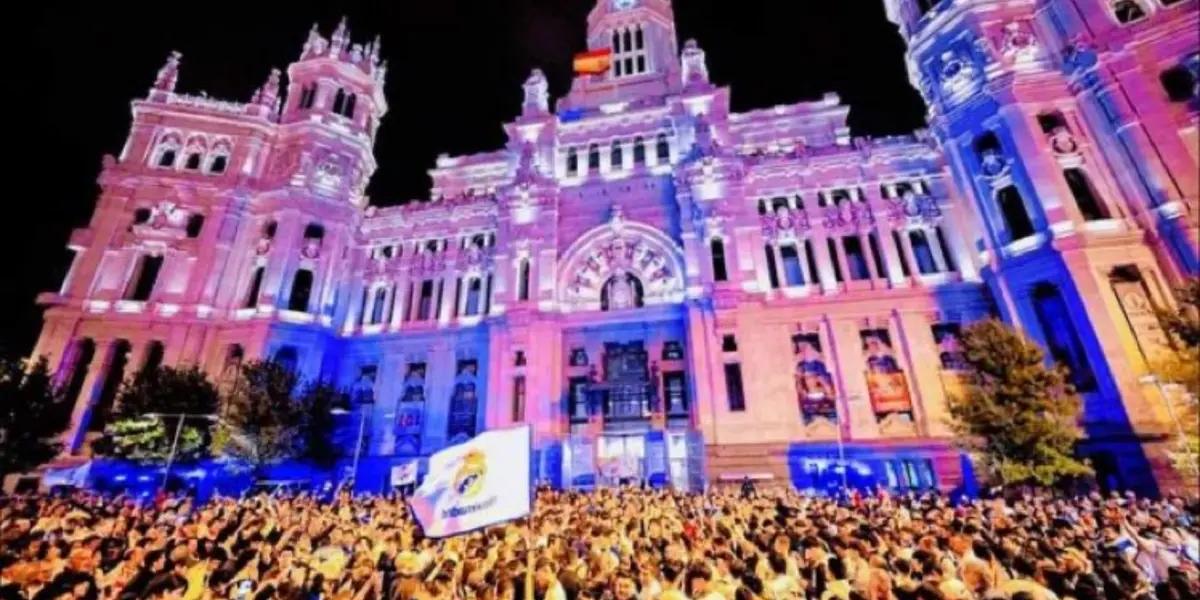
[455, 72]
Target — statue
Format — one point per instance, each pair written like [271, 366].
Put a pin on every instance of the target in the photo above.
[169, 73]
[621, 294]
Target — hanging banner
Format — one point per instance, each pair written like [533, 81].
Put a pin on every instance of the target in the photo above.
[814, 382]
[886, 384]
[656, 459]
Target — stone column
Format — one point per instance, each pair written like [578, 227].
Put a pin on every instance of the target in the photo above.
[829, 283]
[850, 369]
[89, 394]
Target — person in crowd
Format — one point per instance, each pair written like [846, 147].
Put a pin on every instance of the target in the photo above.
[628, 543]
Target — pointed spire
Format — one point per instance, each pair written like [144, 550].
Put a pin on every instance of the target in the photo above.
[376, 45]
[340, 37]
[169, 73]
[315, 44]
[269, 92]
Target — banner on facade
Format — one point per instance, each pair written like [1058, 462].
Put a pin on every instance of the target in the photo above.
[656, 458]
[478, 483]
[889, 393]
[814, 382]
[409, 421]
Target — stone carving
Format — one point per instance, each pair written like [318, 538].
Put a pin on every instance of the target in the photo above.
[911, 207]
[695, 67]
[169, 73]
[785, 224]
[1018, 43]
[994, 164]
[1062, 141]
[537, 94]
[847, 214]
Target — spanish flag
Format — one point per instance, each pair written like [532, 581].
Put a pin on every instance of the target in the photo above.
[593, 62]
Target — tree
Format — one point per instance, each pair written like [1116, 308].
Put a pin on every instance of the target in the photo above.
[1180, 368]
[261, 422]
[167, 391]
[33, 414]
[1016, 416]
[320, 423]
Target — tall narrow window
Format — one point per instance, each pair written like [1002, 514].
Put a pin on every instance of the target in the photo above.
[302, 285]
[662, 149]
[594, 158]
[487, 295]
[734, 390]
[377, 306]
[833, 257]
[339, 101]
[572, 161]
[518, 399]
[877, 255]
[474, 293]
[523, 281]
[458, 289]
[856, 259]
[772, 268]
[256, 282]
[308, 96]
[167, 158]
[1061, 336]
[1016, 218]
[639, 151]
[922, 252]
[193, 161]
[351, 100]
[617, 156]
[1090, 206]
[195, 224]
[793, 274]
[145, 275]
[425, 306]
[944, 245]
[813, 272]
[904, 269]
[720, 273]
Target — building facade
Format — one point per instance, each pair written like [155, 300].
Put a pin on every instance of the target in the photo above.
[662, 287]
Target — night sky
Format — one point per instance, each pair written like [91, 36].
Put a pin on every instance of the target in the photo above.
[455, 69]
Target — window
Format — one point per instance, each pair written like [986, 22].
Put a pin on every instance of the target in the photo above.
[812, 262]
[922, 252]
[523, 281]
[218, 164]
[518, 405]
[339, 101]
[141, 216]
[793, 274]
[166, 158]
[308, 96]
[900, 249]
[1089, 204]
[195, 224]
[425, 306]
[1012, 208]
[193, 162]
[302, 285]
[856, 259]
[1179, 82]
[1062, 339]
[734, 391]
[1127, 11]
[145, 275]
[572, 161]
[1050, 121]
[348, 111]
[617, 156]
[629, 52]
[594, 157]
[474, 291]
[269, 229]
[639, 151]
[720, 273]
[947, 255]
[877, 255]
[154, 357]
[256, 281]
[314, 231]
[519, 359]
[772, 273]
[662, 149]
[833, 257]
[728, 343]
[377, 307]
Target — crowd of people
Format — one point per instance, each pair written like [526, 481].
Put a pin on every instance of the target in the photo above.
[616, 544]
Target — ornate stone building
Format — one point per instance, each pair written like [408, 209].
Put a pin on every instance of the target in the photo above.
[663, 287]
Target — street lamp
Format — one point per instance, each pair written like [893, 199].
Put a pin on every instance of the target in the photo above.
[178, 432]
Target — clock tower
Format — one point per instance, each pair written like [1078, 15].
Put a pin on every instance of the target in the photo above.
[640, 35]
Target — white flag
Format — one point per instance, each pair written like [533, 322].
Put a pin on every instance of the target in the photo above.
[475, 484]
[404, 474]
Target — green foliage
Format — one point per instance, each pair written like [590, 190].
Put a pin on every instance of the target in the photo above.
[1182, 369]
[33, 413]
[318, 401]
[262, 423]
[1016, 416]
[167, 391]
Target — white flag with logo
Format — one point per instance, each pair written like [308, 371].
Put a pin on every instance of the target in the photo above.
[475, 484]
[404, 474]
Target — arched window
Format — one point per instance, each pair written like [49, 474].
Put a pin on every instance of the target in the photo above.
[252, 294]
[474, 292]
[628, 38]
[339, 101]
[856, 258]
[922, 252]
[314, 231]
[944, 244]
[1127, 11]
[193, 161]
[142, 215]
[218, 164]
[594, 157]
[1016, 218]
[617, 155]
[720, 271]
[621, 291]
[616, 42]
[1090, 205]
[639, 151]
[308, 96]
[662, 149]
[378, 306]
[639, 39]
[351, 101]
[166, 157]
[523, 280]
[302, 285]
[793, 273]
